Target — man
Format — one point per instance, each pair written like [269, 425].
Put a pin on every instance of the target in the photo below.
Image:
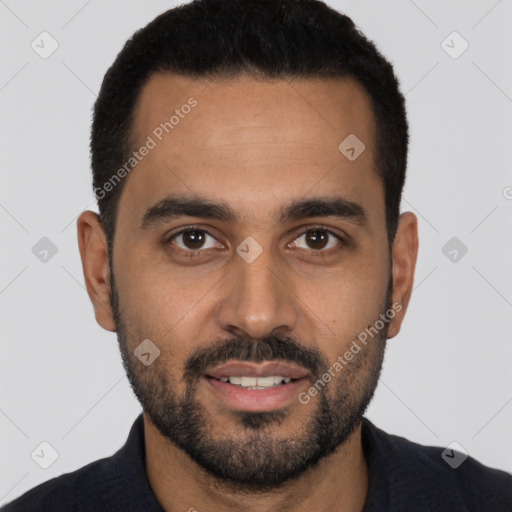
[248, 159]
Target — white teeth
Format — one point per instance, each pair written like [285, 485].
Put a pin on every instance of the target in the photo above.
[256, 382]
[266, 382]
[247, 381]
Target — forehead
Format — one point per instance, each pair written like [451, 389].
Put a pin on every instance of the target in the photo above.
[246, 141]
[245, 108]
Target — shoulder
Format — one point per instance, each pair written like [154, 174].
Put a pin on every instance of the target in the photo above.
[118, 482]
[66, 491]
[478, 486]
[437, 476]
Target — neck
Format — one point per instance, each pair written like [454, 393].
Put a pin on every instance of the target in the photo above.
[339, 483]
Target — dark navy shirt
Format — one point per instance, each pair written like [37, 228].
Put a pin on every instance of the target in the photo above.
[403, 477]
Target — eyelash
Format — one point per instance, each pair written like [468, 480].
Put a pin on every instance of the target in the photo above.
[195, 253]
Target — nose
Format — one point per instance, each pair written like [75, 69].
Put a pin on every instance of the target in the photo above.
[257, 298]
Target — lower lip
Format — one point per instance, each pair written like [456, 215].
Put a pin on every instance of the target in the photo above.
[256, 400]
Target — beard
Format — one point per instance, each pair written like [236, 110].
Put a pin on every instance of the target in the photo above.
[252, 457]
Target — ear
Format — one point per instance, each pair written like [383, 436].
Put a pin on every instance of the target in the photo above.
[92, 243]
[404, 253]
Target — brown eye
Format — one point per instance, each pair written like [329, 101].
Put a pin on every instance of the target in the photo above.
[193, 239]
[317, 239]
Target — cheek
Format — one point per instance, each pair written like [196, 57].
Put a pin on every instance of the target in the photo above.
[152, 284]
[165, 307]
[344, 302]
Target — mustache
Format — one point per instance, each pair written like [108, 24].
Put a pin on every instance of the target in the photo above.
[269, 348]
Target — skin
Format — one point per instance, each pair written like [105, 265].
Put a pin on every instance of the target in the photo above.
[256, 146]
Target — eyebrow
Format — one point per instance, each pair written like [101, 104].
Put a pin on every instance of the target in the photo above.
[195, 206]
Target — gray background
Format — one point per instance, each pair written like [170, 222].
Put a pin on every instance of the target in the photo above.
[446, 376]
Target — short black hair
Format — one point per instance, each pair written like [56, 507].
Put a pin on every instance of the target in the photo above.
[276, 39]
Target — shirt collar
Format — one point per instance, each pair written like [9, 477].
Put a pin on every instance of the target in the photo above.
[130, 464]
[396, 472]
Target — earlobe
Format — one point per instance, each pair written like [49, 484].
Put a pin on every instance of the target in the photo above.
[404, 255]
[92, 244]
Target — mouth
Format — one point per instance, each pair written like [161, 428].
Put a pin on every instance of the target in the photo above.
[267, 382]
[256, 387]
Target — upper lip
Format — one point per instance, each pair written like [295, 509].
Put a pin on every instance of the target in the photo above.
[246, 369]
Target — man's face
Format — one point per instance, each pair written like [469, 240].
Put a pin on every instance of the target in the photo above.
[209, 296]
